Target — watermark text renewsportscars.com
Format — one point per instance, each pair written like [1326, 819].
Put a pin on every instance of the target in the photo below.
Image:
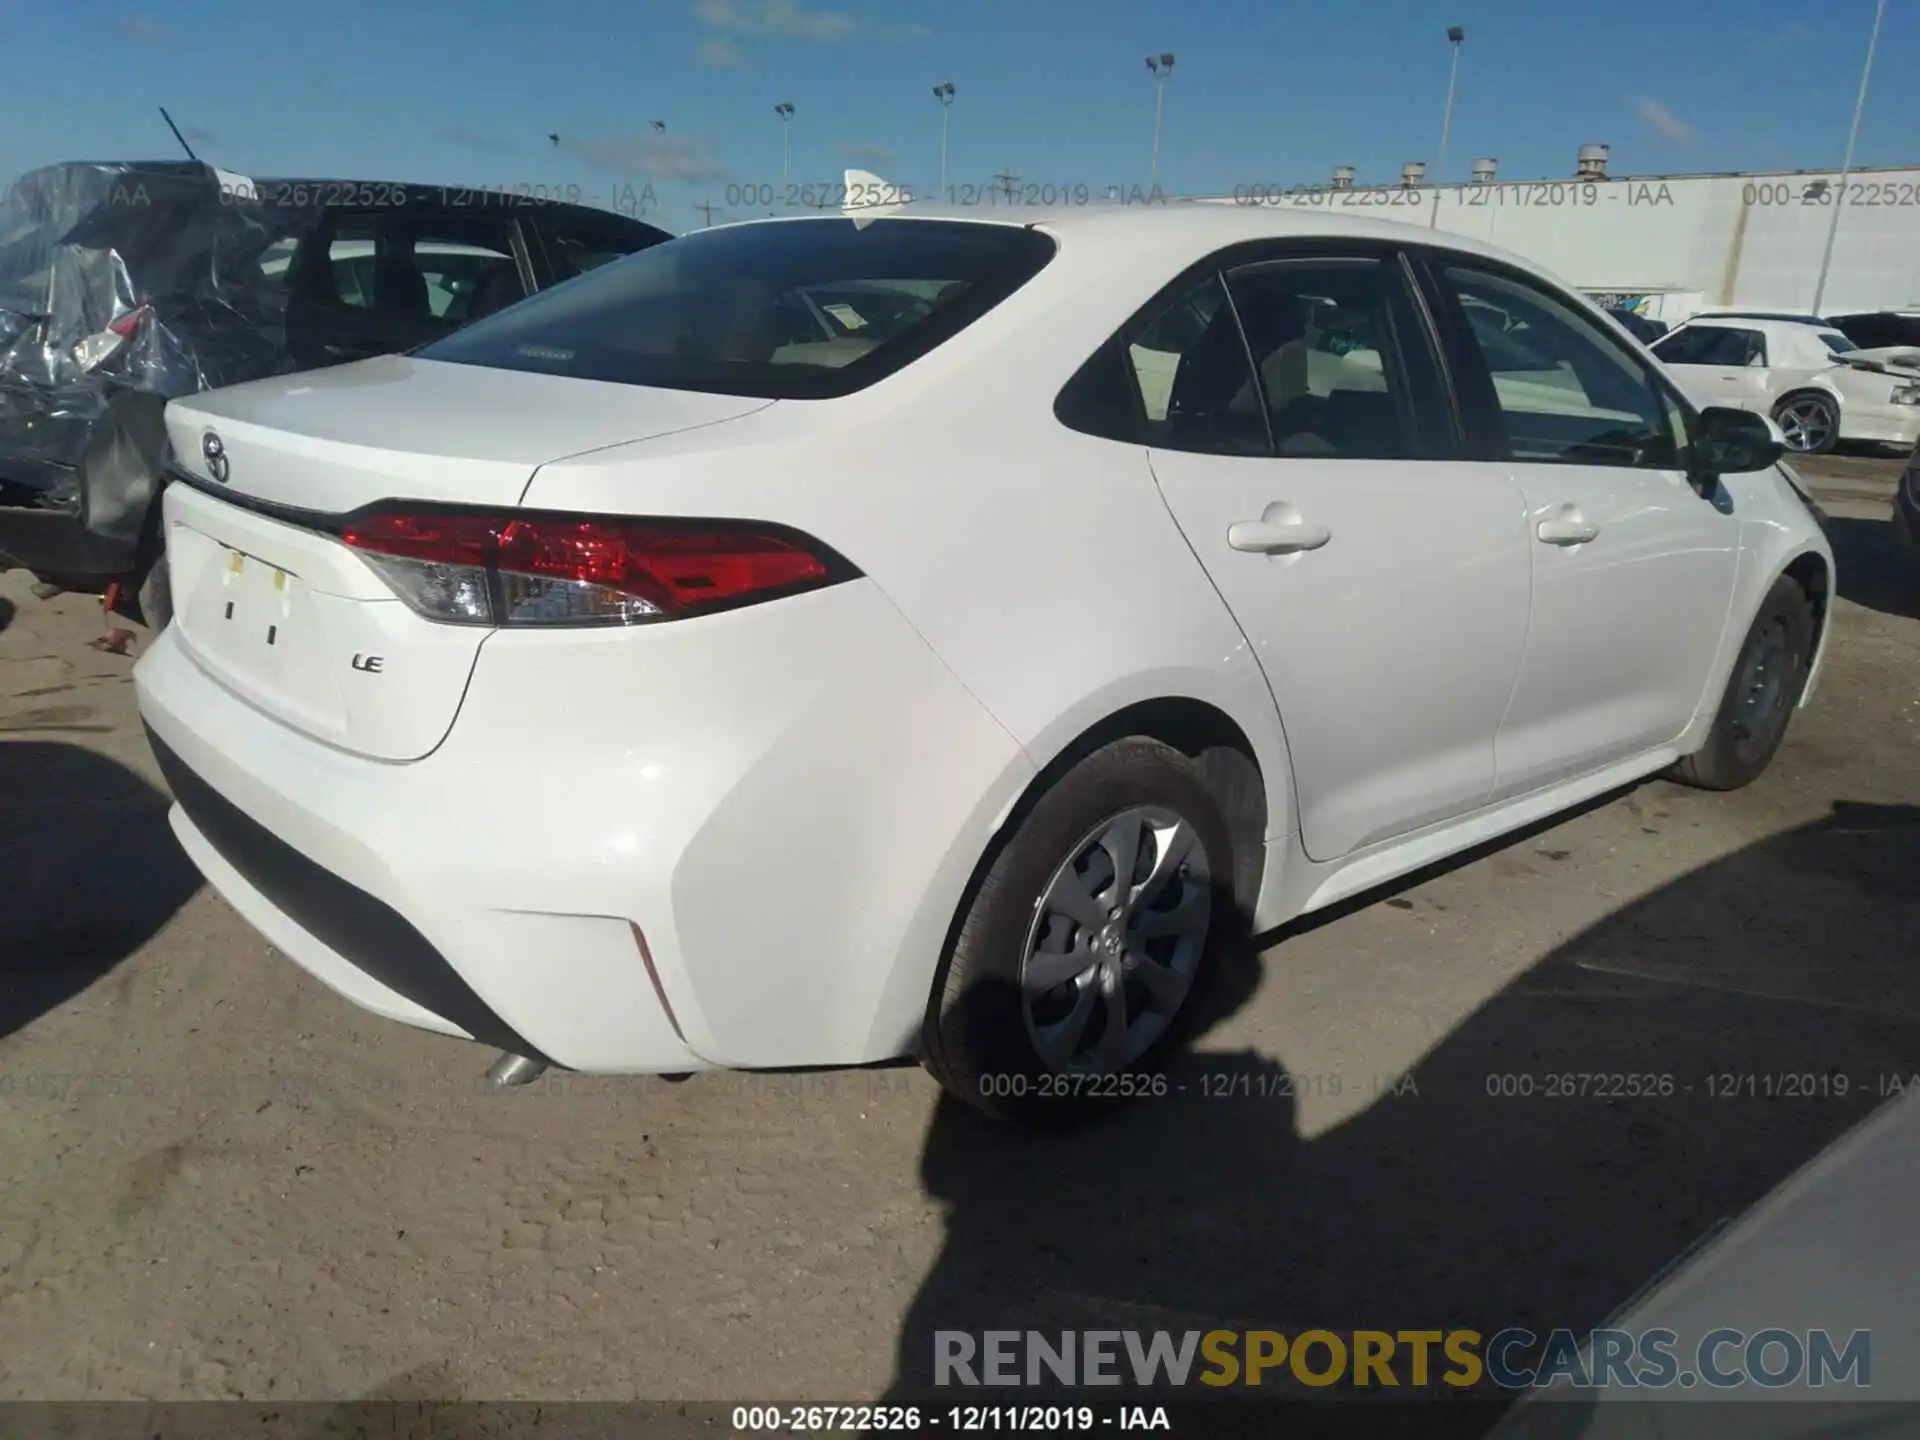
[1511, 1359]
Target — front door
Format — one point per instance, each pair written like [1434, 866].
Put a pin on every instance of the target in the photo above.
[1633, 570]
[1303, 439]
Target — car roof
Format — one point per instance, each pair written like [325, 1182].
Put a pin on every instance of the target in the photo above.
[1208, 225]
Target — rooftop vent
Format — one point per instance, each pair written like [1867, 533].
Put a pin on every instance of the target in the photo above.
[1593, 162]
[1484, 170]
[1412, 173]
[1343, 177]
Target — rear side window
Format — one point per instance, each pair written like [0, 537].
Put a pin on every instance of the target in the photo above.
[1344, 372]
[802, 309]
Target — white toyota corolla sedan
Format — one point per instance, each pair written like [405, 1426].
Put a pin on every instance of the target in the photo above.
[816, 641]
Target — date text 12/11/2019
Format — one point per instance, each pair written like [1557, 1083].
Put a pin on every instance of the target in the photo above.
[1530, 194]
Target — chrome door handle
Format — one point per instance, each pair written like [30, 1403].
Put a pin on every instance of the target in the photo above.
[1566, 532]
[1267, 537]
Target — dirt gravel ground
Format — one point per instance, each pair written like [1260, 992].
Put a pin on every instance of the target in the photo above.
[221, 1181]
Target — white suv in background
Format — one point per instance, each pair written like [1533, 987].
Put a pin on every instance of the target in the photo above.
[1815, 382]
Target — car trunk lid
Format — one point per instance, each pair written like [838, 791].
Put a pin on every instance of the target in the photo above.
[271, 603]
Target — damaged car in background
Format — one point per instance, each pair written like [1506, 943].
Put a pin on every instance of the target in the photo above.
[125, 285]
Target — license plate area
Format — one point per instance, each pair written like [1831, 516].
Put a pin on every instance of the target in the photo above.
[252, 623]
[257, 600]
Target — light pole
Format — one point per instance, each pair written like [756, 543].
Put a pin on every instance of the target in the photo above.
[1456, 36]
[1846, 164]
[943, 92]
[785, 111]
[1162, 66]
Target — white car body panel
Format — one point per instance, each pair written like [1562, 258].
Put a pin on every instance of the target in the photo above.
[788, 801]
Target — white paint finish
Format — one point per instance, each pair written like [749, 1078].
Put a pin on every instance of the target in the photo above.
[790, 799]
[1312, 887]
[279, 614]
[775, 827]
[339, 438]
[1420, 591]
[1625, 626]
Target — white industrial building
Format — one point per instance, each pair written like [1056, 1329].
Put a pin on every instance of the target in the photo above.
[1671, 245]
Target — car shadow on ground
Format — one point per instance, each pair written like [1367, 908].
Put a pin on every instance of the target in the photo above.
[89, 869]
[1508, 1178]
[1876, 570]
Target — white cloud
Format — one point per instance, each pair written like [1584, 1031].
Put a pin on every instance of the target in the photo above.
[1663, 120]
[720, 53]
[653, 157]
[773, 17]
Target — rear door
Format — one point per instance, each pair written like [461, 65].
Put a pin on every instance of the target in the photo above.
[1632, 569]
[379, 282]
[1302, 435]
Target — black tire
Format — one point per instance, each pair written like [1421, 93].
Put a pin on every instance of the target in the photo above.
[1821, 402]
[976, 1040]
[155, 595]
[1743, 739]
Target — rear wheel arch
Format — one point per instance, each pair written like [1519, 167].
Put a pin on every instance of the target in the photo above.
[1196, 728]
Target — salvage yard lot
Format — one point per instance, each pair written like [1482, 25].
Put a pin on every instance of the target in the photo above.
[220, 1180]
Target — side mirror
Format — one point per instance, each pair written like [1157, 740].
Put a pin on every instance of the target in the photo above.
[1726, 441]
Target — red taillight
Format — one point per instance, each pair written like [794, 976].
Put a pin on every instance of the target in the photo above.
[130, 322]
[96, 349]
[530, 569]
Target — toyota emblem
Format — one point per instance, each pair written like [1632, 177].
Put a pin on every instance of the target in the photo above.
[216, 456]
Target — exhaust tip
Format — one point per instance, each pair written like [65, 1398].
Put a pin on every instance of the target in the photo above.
[512, 1070]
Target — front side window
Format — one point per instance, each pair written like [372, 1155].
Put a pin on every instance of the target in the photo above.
[1567, 390]
[800, 309]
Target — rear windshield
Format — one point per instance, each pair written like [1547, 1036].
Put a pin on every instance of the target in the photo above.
[800, 309]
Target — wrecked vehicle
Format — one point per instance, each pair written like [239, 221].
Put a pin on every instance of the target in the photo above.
[124, 285]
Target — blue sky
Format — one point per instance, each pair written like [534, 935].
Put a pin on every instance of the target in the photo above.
[1263, 91]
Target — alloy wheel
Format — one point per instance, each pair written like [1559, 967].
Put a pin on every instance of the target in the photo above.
[1806, 424]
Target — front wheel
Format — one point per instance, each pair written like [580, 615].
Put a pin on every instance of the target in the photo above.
[1077, 962]
[1768, 676]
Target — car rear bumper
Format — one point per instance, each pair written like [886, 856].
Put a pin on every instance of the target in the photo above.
[743, 851]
